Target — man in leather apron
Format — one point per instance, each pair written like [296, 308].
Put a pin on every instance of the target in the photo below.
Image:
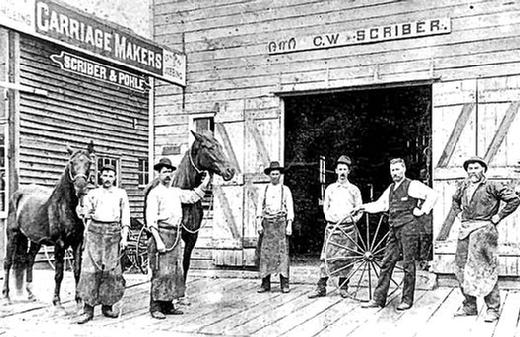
[107, 212]
[275, 215]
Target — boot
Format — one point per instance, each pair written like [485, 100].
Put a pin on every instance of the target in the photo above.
[88, 314]
[321, 288]
[266, 284]
[108, 311]
[284, 284]
[343, 287]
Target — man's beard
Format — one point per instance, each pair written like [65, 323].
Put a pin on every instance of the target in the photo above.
[477, 177]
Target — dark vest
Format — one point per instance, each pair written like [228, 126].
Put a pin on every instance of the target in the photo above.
[401, 205]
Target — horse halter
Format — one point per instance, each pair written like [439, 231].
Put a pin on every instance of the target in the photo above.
[79, 175]
[199, 171]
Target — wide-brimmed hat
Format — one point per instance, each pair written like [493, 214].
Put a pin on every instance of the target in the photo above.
[344, 160]
[164, 162]
[274, 165]
[475, 159]
[108, 167]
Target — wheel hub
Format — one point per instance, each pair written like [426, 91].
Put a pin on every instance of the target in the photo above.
[368, 256]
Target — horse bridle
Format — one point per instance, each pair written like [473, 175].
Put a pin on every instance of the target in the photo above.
[79, 175]
[199, 171]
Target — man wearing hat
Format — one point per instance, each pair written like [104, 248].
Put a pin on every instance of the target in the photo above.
[401, 199]
[340, 199]
[275, 215]
[107, 213]
[163, 219]
[477, 202]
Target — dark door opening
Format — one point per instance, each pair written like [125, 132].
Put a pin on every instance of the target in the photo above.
[371, 126]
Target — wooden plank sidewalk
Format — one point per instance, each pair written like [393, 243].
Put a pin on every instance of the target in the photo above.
[231, 307]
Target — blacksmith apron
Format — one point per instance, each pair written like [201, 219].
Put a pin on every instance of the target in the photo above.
[274, 249]
[101, 280]
[342, 235]
[167, 281]
[476, 259]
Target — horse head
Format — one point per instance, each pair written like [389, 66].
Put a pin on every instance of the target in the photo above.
[78, 168]
[207, 154]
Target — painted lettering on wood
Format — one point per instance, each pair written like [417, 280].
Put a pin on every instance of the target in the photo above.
[403, 30]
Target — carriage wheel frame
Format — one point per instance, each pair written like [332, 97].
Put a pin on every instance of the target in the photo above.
[364, 260]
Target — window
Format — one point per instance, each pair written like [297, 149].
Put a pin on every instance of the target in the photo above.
[142, 171]
[203, 123]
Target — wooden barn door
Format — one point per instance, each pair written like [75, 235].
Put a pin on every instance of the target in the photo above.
[228, 198]
[251, 138]
[474, 117]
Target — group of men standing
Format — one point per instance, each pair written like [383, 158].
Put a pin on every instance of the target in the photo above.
[476, 202]
[106, 211]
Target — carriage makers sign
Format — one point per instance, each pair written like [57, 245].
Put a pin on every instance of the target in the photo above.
[80, 31]
[397, 31]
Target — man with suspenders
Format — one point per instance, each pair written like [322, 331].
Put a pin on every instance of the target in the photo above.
[275, 215]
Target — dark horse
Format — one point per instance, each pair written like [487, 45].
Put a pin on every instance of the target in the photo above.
[205, 154]
[39, 215]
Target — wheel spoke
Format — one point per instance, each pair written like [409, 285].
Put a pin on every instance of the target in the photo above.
[341, 258]
[350, 274]
[381, 241]
[358, 234]
[348, 237]
[377, 232]
[369, 280]
[345, 247]
[360, 278]
[348, 265]
[391, 278]
[367, 222]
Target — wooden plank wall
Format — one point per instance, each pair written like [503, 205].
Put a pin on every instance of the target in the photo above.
[77, 110]
[228, 63]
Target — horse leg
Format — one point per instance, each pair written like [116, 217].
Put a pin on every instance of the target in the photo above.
[59, 256]
[189, 244]
[19, 260]
[8, 263]
[77, 249]
[33, 250]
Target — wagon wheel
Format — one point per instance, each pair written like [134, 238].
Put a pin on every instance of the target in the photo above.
[68, 260]
[141, 250]
[358, 259]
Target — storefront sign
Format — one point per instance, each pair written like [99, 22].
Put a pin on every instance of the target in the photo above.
[374, 34]
[85, 67]
[80, 31]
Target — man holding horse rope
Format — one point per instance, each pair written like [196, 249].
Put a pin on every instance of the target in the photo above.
[107, 212]
[163, 218]
[275, 215]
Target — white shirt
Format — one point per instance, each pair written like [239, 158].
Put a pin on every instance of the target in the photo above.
[164, 204]
[416, 190]
[273, 202]
[339, 201]
[107, 205]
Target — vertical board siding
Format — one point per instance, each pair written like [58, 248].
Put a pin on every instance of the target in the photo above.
[77, 109]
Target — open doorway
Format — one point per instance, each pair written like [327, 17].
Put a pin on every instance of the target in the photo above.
[371, 126]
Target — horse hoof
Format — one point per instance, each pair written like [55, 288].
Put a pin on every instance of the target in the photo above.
[59, 311]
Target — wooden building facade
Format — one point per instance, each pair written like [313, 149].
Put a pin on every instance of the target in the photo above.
[68, 78]
[252, 65]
